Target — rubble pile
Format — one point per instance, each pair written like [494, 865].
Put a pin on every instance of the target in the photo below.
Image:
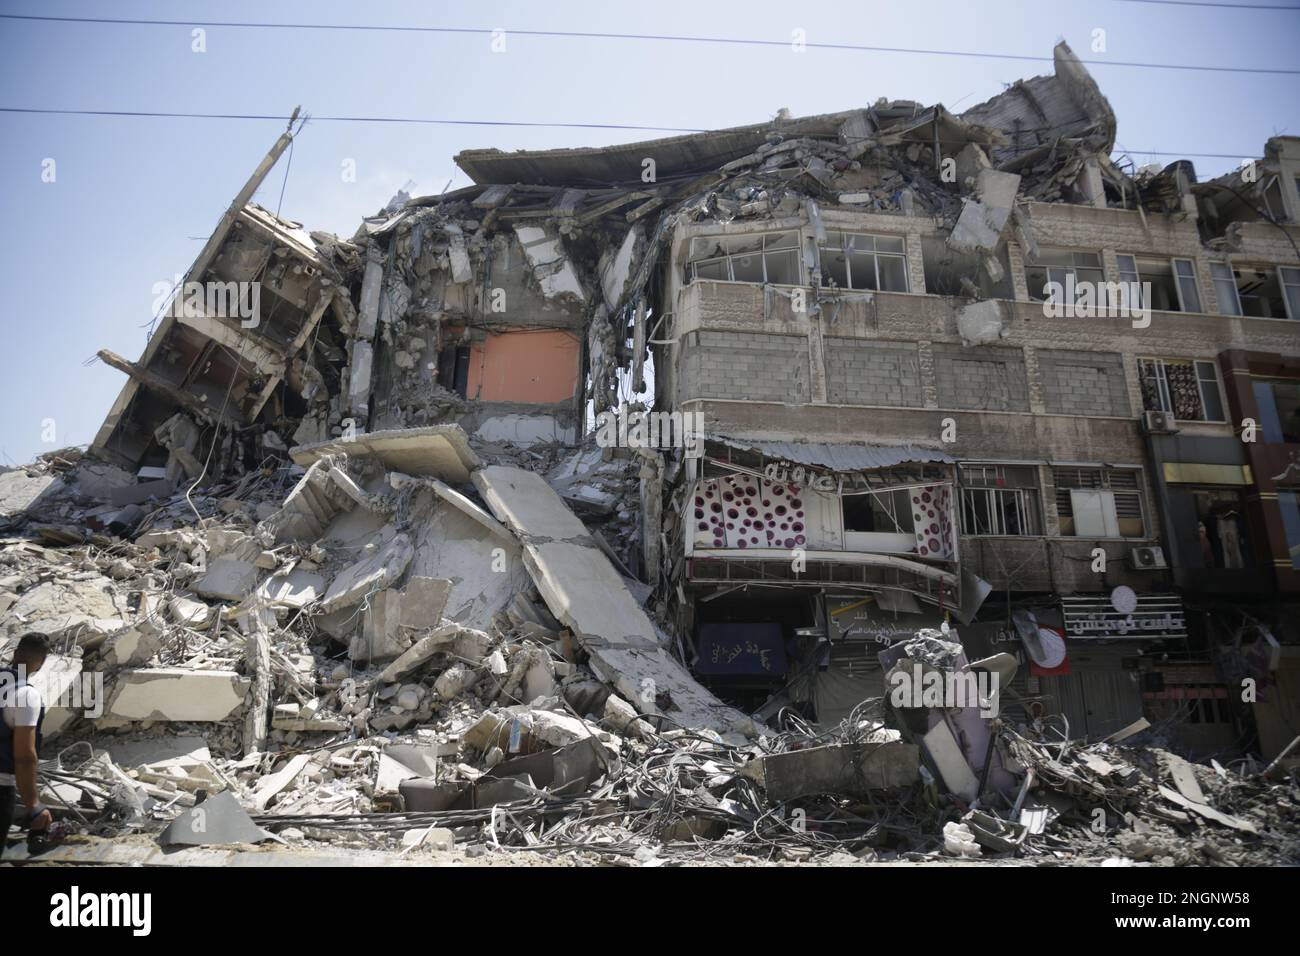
[296, 667]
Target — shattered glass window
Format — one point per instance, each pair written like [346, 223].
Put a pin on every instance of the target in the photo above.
[869, 263]
[758, 258]
[1000, 500]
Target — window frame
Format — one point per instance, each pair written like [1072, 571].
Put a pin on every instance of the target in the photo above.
[1283, 284]
[1166, 399]
[1027, 499]
[692, 265]
[1063, 271]
[1231, 280]
[874, 252]
[1111, 494]
[1134, 276]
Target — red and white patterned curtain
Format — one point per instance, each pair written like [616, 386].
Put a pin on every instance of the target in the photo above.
[932, 518]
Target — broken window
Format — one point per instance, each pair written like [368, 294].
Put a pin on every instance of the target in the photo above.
[1268, 293]
[769, 257]
[1186, 389]
[945, 270]
[855, 261]
[1279, 408]
[1225, 287]
[1000, 500]
[888, 512]
[1172, 282]
[1099, 502]
[1063, 267]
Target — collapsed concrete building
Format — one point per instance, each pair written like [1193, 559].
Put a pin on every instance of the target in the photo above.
[895, 433]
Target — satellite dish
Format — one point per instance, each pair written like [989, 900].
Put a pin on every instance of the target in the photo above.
[1046, 649]
[1123, 599]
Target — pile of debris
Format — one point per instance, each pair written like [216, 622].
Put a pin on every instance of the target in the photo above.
[445, 657]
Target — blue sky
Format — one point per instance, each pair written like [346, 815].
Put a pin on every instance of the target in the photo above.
[135, 197]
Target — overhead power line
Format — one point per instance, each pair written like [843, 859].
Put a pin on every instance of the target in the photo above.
[1225, 6]
[675, 38]
[350, 119]
[425, 121]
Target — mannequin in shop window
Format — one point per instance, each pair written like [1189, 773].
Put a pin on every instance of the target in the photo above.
[1208, 558]
[1229, 532]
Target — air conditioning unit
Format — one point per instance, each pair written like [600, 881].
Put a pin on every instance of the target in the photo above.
[1147, 559]
[1158, 423]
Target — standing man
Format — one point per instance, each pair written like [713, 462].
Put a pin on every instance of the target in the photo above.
[21, 713]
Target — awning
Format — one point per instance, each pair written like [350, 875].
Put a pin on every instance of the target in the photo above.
[837, 457]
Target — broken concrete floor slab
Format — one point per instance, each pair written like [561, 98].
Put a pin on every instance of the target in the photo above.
[584, 592]
[227, 579]
[295, 589]
[176, 694]
[856, 769]
[438, 451]
[381, 567]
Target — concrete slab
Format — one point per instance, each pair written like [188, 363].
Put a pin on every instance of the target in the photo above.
[381, 637]
[486, 569]
[19, 491]
[854, 769]
[372, 573]
[294, 590]
[160, 753]
[526, 503]
[269, 787]
[187, 611]
[421, 651]
[423, 601]
[585, 593]
[61, 608]
[470, 509]
[946, 753]
[227, 579]
[175, 694]
[440, 451]
[141, 492]
[523, 430]
[132, 646]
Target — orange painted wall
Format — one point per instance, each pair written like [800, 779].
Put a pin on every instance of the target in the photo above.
[536, 366]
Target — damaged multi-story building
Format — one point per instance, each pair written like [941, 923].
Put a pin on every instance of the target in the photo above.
[886, 321]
